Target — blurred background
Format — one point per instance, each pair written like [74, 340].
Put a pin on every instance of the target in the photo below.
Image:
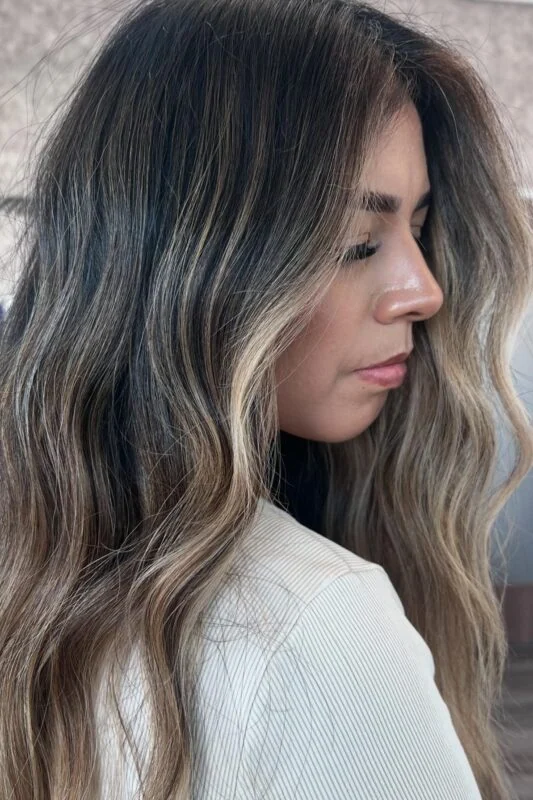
[43, 46]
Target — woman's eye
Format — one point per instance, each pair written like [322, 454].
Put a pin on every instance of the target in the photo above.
[364, 250]
[360, 251]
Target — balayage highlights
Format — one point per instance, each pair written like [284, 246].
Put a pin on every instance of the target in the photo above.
[188, 213]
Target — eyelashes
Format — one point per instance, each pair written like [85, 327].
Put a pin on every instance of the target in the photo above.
[360, 252]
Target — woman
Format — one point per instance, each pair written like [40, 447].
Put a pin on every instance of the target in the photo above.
[224, 546]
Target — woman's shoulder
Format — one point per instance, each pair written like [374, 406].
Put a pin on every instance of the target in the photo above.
[280, 568]
[276, 531]
[278, 544]
[312, 644]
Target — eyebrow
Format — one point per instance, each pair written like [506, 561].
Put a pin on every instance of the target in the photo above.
[380, 203]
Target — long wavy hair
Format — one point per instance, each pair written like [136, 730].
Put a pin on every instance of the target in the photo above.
[188, 212]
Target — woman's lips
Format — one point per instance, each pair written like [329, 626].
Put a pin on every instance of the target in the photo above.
[392, 375]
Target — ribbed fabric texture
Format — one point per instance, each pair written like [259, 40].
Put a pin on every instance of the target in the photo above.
[314, 684]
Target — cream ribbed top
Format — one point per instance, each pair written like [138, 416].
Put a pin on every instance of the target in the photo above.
[314, 684]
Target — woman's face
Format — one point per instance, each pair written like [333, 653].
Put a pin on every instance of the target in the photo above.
[367, 315]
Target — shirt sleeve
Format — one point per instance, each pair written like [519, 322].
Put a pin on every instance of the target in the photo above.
[348, 707]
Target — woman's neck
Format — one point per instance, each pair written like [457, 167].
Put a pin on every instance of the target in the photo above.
[300, 480]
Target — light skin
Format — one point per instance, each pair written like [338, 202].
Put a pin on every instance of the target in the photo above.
[369, 310]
